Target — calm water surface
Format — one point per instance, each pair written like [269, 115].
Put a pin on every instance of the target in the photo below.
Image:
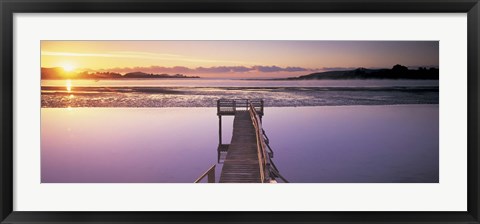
[393, 143]
[205, 92]
[206, 82]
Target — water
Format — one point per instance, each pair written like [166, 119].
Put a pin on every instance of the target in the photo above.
[206, 82]
[127, 145]
[166, 131]
[361, 144]
[205, 92]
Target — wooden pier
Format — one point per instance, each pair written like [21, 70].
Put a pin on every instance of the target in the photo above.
[248, 156]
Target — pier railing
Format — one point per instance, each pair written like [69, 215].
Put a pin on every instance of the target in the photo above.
[263, 155]
[268, 169]
[230, 106]
[210, 174]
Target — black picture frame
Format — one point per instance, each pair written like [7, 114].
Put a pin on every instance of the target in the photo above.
[9, 7]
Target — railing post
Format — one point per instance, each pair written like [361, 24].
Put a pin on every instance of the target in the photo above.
[211, 176]
[210, 173]
[267, 170]
[219, 129]
[261, 108]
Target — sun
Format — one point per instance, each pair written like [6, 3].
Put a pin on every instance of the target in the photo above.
[68, 67]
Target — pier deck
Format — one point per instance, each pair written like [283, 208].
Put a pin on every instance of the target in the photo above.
[241, 164]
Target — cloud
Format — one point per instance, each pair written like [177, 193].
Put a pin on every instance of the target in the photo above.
[240, 69]
[138, 55]
[337, 68]
[150, 69]
[296, 69]
[219, 69]
[118, 54]
[274, 68]
[206, 70]
[262, 68]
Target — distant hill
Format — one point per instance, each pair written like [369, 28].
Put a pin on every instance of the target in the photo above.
[397, 72]
[51, 73]
[60, 73]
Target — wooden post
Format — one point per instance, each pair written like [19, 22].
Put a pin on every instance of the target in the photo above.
[211, 176]
[210, 173]
[261, 108]
[219, 129]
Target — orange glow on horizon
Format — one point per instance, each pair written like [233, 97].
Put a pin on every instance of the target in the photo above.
[68, 67]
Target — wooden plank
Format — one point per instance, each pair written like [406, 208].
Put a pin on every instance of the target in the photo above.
[241, 164]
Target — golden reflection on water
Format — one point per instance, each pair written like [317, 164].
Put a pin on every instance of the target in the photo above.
[68, 85]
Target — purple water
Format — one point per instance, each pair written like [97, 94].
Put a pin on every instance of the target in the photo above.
[360, 144]
[396, 143]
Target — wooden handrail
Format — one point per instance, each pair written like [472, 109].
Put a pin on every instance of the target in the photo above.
[210, 173]
[263, 155]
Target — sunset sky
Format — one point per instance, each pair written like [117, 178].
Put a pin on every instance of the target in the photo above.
[236, 58]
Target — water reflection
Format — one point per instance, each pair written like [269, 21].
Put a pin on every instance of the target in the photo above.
[68, 85]
[361, 144]
[103, 145]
